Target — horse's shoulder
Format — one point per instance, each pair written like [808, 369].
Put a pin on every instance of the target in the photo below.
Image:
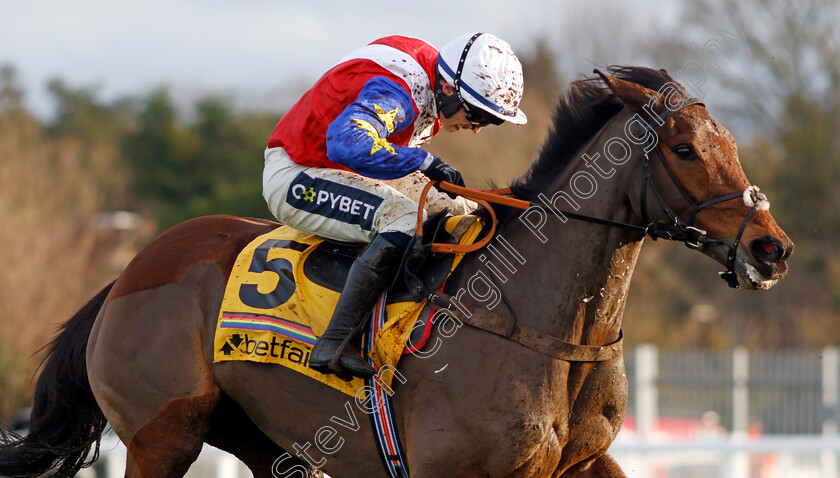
[170, 256]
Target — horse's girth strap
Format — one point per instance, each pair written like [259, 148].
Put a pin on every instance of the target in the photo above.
[530, 337]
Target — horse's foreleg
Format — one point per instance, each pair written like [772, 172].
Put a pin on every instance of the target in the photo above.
[604, 466]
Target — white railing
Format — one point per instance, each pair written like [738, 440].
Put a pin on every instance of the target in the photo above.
[724, 457]
[211, 463]
[736, 414]
[730, 457]
[772, 392]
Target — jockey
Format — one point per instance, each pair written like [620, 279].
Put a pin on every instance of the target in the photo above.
[344, 162]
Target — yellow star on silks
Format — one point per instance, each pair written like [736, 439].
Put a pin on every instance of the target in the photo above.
[386, 117]
[378, 142]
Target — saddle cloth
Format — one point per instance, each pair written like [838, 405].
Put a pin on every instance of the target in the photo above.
[275, 307]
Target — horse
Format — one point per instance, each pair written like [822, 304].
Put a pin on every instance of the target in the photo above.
[630, 155]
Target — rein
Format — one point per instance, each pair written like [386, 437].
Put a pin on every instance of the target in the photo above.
[673, 230]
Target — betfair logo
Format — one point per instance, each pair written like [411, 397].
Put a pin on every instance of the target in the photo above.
[285, 350]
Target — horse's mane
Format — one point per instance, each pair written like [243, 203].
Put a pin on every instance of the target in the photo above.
[586, 107]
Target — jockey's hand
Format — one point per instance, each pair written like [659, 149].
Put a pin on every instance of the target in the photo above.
[440, 171]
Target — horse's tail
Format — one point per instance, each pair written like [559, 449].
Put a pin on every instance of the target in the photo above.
[66, 421]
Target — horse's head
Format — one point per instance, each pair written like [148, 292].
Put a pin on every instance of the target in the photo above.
[695, 186]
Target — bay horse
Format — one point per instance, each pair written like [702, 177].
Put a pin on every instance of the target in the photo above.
[630, 155]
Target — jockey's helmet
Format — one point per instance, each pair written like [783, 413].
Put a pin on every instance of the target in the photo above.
[487, 77]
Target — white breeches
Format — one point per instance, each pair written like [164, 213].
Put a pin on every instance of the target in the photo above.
[345, 206]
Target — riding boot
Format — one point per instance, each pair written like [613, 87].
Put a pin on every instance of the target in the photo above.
[336, 350]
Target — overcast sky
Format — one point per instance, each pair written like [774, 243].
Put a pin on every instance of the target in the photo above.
[246, 46]
[258, 50]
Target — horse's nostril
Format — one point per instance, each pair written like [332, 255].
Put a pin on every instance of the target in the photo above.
[767, 249]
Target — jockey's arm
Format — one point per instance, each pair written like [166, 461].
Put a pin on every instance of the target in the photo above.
[358, 137]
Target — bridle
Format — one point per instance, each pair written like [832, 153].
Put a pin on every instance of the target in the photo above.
[673, 229]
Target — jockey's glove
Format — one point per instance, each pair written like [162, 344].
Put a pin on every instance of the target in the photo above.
[437, 170]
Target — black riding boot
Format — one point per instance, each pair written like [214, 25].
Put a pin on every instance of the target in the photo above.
[369, 275]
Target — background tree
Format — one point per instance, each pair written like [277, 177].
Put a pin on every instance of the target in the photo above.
[213, 166]
[52, 252]
[11, 93]
[156, 151]
[228, 161]
[92, 131]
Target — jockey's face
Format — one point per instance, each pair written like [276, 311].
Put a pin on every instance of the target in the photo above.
[457, 122]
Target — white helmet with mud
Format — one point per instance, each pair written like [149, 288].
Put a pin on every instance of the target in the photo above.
[487, 77]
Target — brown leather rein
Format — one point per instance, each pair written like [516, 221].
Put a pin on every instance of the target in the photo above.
[481, 196]
[489, 321]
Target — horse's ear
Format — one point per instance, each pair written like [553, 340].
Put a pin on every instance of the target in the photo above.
[631, 94]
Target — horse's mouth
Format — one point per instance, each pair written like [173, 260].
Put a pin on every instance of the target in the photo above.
[751, 277]
[750, 273]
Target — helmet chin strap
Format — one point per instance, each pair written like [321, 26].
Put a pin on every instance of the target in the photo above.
[447, 105]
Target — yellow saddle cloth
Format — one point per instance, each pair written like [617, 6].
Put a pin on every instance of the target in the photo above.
[273, 313]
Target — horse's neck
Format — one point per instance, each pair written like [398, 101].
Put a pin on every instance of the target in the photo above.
[574, 280]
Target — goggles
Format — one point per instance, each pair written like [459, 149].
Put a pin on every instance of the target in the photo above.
[479, 117]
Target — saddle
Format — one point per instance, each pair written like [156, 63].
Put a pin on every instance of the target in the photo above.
[285, 284]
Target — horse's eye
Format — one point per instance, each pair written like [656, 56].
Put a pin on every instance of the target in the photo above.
[684, 152]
